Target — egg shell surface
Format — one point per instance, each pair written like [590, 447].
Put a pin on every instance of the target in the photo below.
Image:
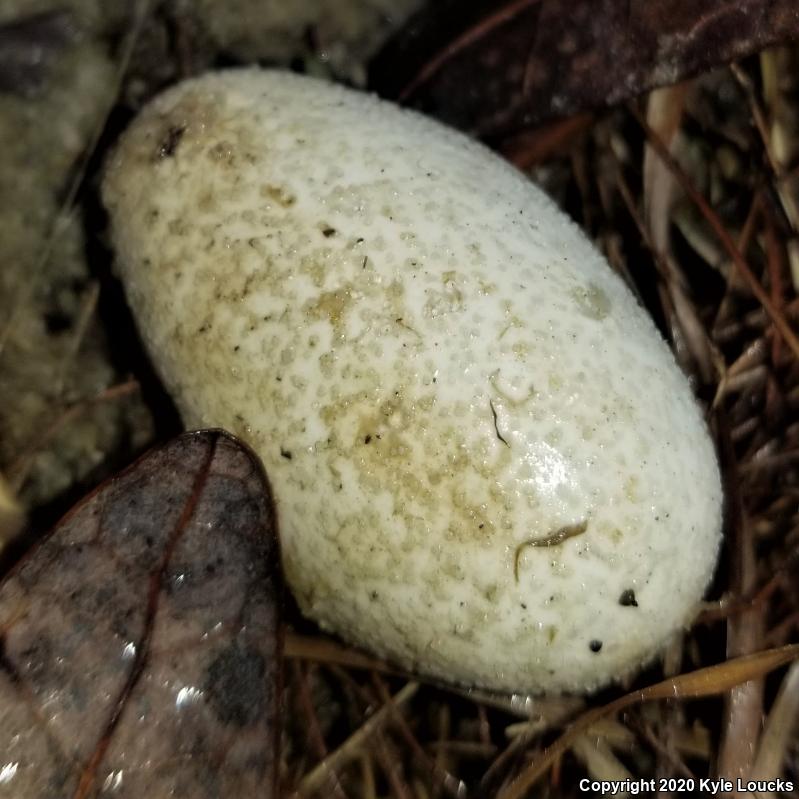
[488, 467]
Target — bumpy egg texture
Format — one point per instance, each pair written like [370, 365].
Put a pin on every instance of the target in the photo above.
[487, 465]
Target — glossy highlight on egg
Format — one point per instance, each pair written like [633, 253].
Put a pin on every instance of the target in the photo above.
[487, 465]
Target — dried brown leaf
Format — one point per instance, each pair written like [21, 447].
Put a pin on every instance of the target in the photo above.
[140, 641]
[490, 67]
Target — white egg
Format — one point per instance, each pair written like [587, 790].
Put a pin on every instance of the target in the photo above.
[488, 467]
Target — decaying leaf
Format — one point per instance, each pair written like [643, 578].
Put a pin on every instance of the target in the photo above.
[495, 67]
[140, 642]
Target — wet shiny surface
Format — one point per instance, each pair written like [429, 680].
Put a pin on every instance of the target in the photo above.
[139, 644]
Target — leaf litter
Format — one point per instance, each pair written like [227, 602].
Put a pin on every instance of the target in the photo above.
[693, 194]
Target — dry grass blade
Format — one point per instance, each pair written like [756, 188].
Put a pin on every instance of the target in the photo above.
[325, 650]
[780, 724]
[599, 760]
[315, 735]
[681, 312]
[664, 114]
[744, 704]
[353, 746]
[12, 516]
[668, 751]
[788, 201]
[443, 779]
[691, 685]
[723, 235]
